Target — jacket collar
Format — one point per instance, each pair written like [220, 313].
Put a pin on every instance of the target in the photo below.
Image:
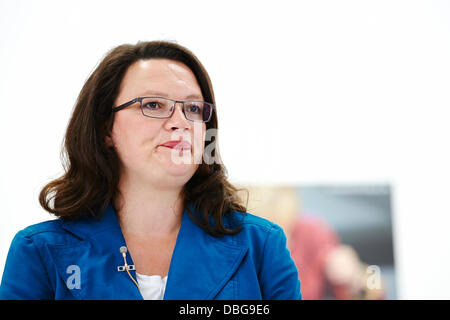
[200, 267]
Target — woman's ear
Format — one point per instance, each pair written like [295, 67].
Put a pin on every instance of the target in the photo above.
[108, 141]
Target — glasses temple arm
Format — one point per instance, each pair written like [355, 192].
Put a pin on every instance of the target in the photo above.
[126, 104]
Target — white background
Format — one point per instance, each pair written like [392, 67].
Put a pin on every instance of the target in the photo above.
[307, 92]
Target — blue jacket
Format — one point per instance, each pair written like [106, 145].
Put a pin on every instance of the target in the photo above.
[253, 264]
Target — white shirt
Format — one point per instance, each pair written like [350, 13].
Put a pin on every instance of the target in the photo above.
[151, 287]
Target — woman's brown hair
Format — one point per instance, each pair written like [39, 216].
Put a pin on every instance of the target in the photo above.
[92, 169]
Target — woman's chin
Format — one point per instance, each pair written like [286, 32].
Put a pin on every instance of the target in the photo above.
[177, 163]
[180, 170]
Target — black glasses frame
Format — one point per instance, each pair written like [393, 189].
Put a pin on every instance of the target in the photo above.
[139, 99]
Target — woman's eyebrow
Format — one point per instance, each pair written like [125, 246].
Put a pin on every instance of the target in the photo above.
[164, 94]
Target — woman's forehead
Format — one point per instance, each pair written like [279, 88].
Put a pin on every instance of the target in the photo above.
[160, 77]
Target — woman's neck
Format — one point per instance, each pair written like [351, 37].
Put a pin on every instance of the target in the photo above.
[149, 211]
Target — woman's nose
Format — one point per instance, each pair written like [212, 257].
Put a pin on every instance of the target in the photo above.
[178, 119]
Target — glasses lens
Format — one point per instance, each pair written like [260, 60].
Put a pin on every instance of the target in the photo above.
[156, 107]
[198, 111]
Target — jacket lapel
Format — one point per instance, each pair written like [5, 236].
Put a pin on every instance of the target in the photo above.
[201, 264]
[96, 257]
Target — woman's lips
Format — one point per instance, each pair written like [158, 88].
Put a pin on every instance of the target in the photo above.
[178, 144]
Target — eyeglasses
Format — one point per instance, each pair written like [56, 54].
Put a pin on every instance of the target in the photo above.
[159, 107]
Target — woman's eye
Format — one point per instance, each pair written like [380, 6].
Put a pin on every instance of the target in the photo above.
[151, 105]
[194, 109]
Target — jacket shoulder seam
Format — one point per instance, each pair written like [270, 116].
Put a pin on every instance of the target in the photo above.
[30, 234]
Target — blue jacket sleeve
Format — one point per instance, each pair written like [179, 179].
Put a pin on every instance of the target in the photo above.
[278, 274]
[25, 275]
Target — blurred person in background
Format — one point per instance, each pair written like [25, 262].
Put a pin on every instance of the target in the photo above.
[324, 263]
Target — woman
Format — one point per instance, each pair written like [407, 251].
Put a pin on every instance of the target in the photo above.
[144, 208]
